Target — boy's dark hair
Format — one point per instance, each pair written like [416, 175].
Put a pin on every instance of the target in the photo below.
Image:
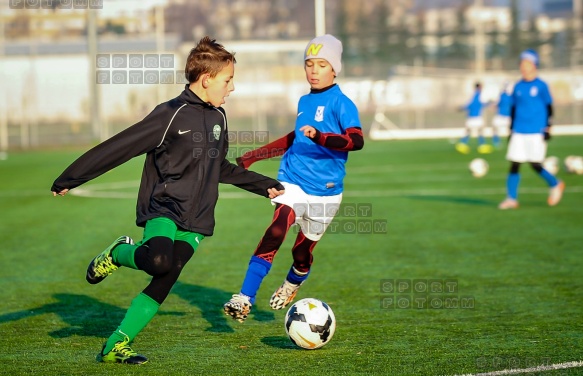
[207, 57]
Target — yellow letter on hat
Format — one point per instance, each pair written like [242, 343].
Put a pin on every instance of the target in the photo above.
[313, 49]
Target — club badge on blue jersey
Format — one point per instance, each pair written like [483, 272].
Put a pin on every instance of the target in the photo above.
[319, 114]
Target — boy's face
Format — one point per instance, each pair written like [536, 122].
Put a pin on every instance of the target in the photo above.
[319, 73]
[220, 86]
[527, 69]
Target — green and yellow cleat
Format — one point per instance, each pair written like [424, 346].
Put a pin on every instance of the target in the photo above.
[485, 149]
[462, 148]
[121, 353]
[102, 265]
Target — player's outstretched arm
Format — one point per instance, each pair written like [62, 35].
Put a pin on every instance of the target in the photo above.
[129, 143]
[249, 180]
[352, 140]
[273, 149]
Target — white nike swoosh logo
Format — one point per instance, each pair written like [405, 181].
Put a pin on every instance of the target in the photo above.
[197, 241]
[183, 132]
[300, 113]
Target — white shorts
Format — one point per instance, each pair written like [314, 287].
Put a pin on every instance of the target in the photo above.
[475, 122]
[313, 213]
[526, 148]
[501, 121]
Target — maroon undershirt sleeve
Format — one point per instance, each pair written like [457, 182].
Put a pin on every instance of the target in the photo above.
[351, 140]
[273, 149]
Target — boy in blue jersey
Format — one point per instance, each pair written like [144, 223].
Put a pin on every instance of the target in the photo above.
[311, 170]
[502, 118]
[474, 124]
[531, 112]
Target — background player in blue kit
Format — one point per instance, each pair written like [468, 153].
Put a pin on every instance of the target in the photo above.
[311, 170]
[531, 113]
[502, 118]
[474, 123]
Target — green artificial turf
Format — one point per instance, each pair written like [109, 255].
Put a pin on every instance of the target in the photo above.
[412, 215]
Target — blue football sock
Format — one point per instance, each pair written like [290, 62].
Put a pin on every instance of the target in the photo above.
[495, 139]
[549, 178]
[481, 140]
[464, 140]
[512, 185]
[295, 278]
[257, 270]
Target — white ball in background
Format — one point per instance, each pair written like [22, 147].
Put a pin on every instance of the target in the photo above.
[574, 164]
[478, 167]
[551, 164]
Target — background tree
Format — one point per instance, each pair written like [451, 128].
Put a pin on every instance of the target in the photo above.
[383, 31]
[458, 47]
[514, 43]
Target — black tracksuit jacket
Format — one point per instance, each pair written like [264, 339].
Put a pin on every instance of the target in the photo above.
[185, 141]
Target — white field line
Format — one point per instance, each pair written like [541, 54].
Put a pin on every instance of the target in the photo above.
[107, 190]
[115, 190]
[410, 167]
[454, 192]
[515, 371]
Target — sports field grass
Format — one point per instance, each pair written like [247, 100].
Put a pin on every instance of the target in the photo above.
[520, 269]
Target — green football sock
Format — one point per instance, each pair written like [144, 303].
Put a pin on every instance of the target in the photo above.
[140, 313]
[123, 255]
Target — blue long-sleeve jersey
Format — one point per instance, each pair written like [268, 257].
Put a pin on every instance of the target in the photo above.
[504, 104]
[531, 101]
[316, 169]
[474, 108]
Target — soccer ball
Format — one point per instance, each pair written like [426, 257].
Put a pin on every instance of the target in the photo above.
[310, 323]
[574, 164]
[478, 167]
[551, 164]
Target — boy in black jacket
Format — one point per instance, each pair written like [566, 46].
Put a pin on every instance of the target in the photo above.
[185, 141]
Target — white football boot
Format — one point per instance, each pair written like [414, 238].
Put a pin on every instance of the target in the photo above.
[238, 307]
[284, 295]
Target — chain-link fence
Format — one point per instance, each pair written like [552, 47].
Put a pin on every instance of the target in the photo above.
[45, 101]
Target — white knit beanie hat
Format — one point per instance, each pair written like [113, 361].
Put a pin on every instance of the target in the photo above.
[325, 47]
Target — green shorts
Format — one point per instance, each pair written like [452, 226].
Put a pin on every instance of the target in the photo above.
[165, 227]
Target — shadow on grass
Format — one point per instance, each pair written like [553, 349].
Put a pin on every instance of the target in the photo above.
[88, 317]
[280, 342]
[210, 302]
[85, 316]
[456, 200]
